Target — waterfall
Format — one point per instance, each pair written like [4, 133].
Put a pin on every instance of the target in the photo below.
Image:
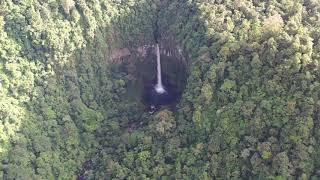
[159, 87]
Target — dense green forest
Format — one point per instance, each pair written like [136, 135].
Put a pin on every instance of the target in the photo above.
[250, 108]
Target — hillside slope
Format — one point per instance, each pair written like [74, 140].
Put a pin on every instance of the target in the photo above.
[250, 109]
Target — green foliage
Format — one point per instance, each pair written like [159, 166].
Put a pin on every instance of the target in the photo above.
[163, 122]
[250, 109]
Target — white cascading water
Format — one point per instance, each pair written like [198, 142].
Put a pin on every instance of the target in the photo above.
[159, 87]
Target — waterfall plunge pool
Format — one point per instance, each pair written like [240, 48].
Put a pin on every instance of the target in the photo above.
[160, 91]
[142, 70]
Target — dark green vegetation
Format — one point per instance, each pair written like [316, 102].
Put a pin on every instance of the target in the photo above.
[250, 109]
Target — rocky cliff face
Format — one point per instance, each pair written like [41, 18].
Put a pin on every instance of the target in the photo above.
[167, 48]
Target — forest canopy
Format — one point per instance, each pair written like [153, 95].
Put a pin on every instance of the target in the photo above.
[249, 110]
